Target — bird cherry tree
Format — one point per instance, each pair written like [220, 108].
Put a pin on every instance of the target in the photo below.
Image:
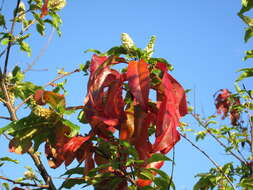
[122, 114]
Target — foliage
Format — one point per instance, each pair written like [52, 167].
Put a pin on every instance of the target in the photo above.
[117, 152]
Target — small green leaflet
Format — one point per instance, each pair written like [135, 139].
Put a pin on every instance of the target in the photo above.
[246, 73]
[158, 157]
[74, 128]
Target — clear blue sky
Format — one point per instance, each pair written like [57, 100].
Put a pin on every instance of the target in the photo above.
[202, 39]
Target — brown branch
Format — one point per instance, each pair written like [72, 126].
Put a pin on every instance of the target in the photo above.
[3, 117]
[24, 184]
[49, 83]
[210, 159]
[43, 172]
[41, 53]
[242, 160]
[74, 107]
[9, 43]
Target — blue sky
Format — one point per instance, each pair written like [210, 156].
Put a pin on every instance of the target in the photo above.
[202, 39]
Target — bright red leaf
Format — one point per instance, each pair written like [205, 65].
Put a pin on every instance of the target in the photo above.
[139, 81]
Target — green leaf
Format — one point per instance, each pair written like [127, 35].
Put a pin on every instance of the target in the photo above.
[69, 183]
[164, 184]
[72, 171]
[249, 54]
[5, 41]
[117, 51]
[247, 183]
[246, 72]
[92, 50]
[40, 28]
[158, 157]
[2, 20]
[73, 127]
[6, 186]
[246, 6]
[37, 18]
[146, 174]
[248, 20]
[114, 183]
[25, 47]
[17, 75]
[9, 160]
[248, 34]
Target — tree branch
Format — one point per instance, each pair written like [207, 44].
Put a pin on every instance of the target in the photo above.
[56, 78]
[9, 43]
[210, 159]
[24, 184]
[218, 140]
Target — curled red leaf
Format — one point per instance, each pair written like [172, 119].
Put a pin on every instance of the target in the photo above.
[139, 82]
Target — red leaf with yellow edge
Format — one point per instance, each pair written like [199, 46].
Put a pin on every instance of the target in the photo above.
[54, 99]
[127, 126]
[139, 82]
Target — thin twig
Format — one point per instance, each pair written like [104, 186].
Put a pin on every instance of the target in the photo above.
[74, 107]
[24, 184]
[41, 53]
[251, 133]
[172, 170]
[9, 43]
[2, 5]
[218, 140]
[57, 78]
[3, 117]
[210, 159]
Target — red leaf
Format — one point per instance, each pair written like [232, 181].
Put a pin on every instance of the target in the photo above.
[71, 148]
[54, 152]
[179, 95]
[224, 103]
[44, 9]
[17, 188]
[38, 97]
[172, 106]
[140, 137]
[139, 81]
[96, 61]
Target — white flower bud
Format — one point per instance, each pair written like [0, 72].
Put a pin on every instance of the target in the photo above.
[127, 41]
[29, 174]
[150, 47]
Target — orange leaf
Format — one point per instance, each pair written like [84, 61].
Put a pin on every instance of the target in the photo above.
[139, 82]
